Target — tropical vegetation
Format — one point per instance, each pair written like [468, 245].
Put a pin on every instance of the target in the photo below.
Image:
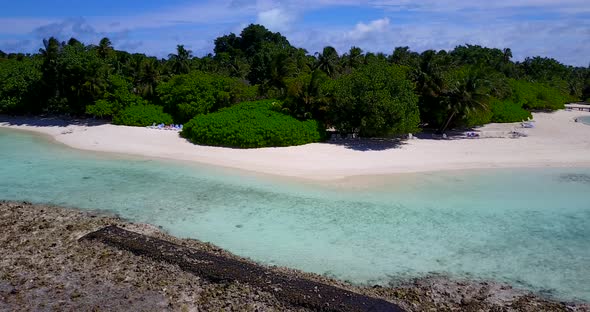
[142, 116]
[250, 125]
[357, 92]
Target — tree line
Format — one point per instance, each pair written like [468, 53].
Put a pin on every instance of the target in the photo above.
[372, 94]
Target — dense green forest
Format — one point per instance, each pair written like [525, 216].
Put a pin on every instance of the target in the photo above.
[371, 94]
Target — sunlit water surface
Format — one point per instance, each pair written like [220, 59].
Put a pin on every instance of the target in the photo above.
[528, 227]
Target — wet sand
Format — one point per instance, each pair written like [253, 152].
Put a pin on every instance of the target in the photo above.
[44, 267]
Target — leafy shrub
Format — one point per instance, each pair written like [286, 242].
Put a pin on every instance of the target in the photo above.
[251, 125]
[507, 111]
[304, 96]
[240, 92]
[375, 100]
[525, 96]
[117, 97]
[102, 108]
[537, 96]
[477, 117]
[185, 96]
[141, 116]
[19, 81]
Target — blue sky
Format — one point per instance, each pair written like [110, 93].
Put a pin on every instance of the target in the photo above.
[558, 29]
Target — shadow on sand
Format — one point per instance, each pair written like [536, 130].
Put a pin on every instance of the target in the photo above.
[381, 144]
[49, 121]
[365, 144]
[450, 135]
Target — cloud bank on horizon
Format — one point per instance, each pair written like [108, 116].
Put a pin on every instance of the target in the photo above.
[549, 28]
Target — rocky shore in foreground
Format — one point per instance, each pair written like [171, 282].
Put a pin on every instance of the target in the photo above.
[44, 267]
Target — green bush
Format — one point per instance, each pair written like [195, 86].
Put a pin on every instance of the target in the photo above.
[118, 96]
[103, 108]
[19, 85]
[251, 125]
[374, 101]
[185, 96]
[141, 116]
[537, 96]
[525, 96]
[477, 118]
[507, 111]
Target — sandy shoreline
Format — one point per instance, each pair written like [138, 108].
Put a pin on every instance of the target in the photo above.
[556, 141]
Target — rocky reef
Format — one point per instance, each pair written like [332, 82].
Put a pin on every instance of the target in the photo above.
[44, 266]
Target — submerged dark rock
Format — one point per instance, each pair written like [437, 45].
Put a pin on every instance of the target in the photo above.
[575, 178]
[291, 290]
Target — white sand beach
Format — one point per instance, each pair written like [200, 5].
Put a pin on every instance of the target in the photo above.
[555, 141]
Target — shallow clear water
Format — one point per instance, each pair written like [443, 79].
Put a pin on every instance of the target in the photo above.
[584, 120]
[528, 227]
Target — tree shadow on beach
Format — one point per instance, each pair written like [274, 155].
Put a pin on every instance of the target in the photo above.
[509, 131]
[51, 121]
[365, 144]
[450, 135]
[382, 144]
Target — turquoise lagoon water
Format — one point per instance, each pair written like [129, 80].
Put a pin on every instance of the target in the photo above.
[584, 120]
[529, 227]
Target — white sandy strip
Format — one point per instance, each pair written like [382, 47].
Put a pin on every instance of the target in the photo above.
[556, 141]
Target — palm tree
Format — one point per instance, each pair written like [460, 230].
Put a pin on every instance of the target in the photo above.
[328, 61]
[105, 48]
[50, 53]
[313, 99]
[207, 63]
[304, 61]
[132, 65]
[148, 77]
[74, 42]
[305, 97]
[181, 60]
[51, 48]
[429, 74]
[467, 91]
[404, 56]
[281, 67]
[233, 65]
[507, 55]
[353, 59]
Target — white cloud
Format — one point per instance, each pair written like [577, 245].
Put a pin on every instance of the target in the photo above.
[66, 29]
[525, 38]
[557, 30]
[361, 31]
[276, 19]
